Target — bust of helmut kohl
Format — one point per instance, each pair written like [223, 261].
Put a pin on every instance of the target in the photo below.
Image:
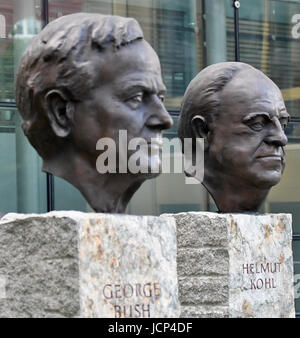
[241, 116]
[84, 78]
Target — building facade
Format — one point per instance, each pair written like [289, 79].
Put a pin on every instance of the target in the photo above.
[187, 35]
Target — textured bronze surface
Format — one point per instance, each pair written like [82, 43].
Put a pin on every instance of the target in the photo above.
[85, 77]
[241, 115]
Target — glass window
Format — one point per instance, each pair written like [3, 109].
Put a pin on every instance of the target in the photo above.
[270, 41]
[173, 28]
[22, 22]
[169, 26]
[8, 174]
[67, 197]
[22, 183]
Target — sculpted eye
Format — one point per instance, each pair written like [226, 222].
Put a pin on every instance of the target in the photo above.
[135, 101]
[257, 126]
[257, 123]
[137, 98]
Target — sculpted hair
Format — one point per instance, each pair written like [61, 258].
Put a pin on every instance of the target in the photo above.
[202, 96]
[60, 57]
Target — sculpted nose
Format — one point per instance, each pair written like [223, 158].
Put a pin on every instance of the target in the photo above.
[159, 118]
[276, 135]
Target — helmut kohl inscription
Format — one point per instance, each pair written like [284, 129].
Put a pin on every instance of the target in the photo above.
[140, 294]
[260, 266]
[263, 273]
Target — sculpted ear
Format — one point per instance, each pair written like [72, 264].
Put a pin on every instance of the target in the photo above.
[60, 112]
[200, 128]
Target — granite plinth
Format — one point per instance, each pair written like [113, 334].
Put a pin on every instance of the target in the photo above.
[235, 265]
[73, 264]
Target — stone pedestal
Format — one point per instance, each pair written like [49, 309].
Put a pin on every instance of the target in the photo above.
[235, 265]
[72, 264]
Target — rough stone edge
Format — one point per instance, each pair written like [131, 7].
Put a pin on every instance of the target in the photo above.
[205, 311]
[211, 310]
[79, 218]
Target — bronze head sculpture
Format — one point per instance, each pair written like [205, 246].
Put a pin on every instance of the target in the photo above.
[241, 115]
[85, 77]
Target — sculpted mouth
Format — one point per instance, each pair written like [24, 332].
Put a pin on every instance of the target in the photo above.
[271, 156]
[275, 155]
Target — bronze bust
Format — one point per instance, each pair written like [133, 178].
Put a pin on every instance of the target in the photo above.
[241, 115]
[82, 78]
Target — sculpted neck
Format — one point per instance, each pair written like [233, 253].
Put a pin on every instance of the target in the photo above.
[106, 193]
[235, 198]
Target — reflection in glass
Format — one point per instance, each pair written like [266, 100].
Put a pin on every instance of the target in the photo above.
[8, 178]
[173, 28]
[22, 22]
[267, 43]
[22, 183]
